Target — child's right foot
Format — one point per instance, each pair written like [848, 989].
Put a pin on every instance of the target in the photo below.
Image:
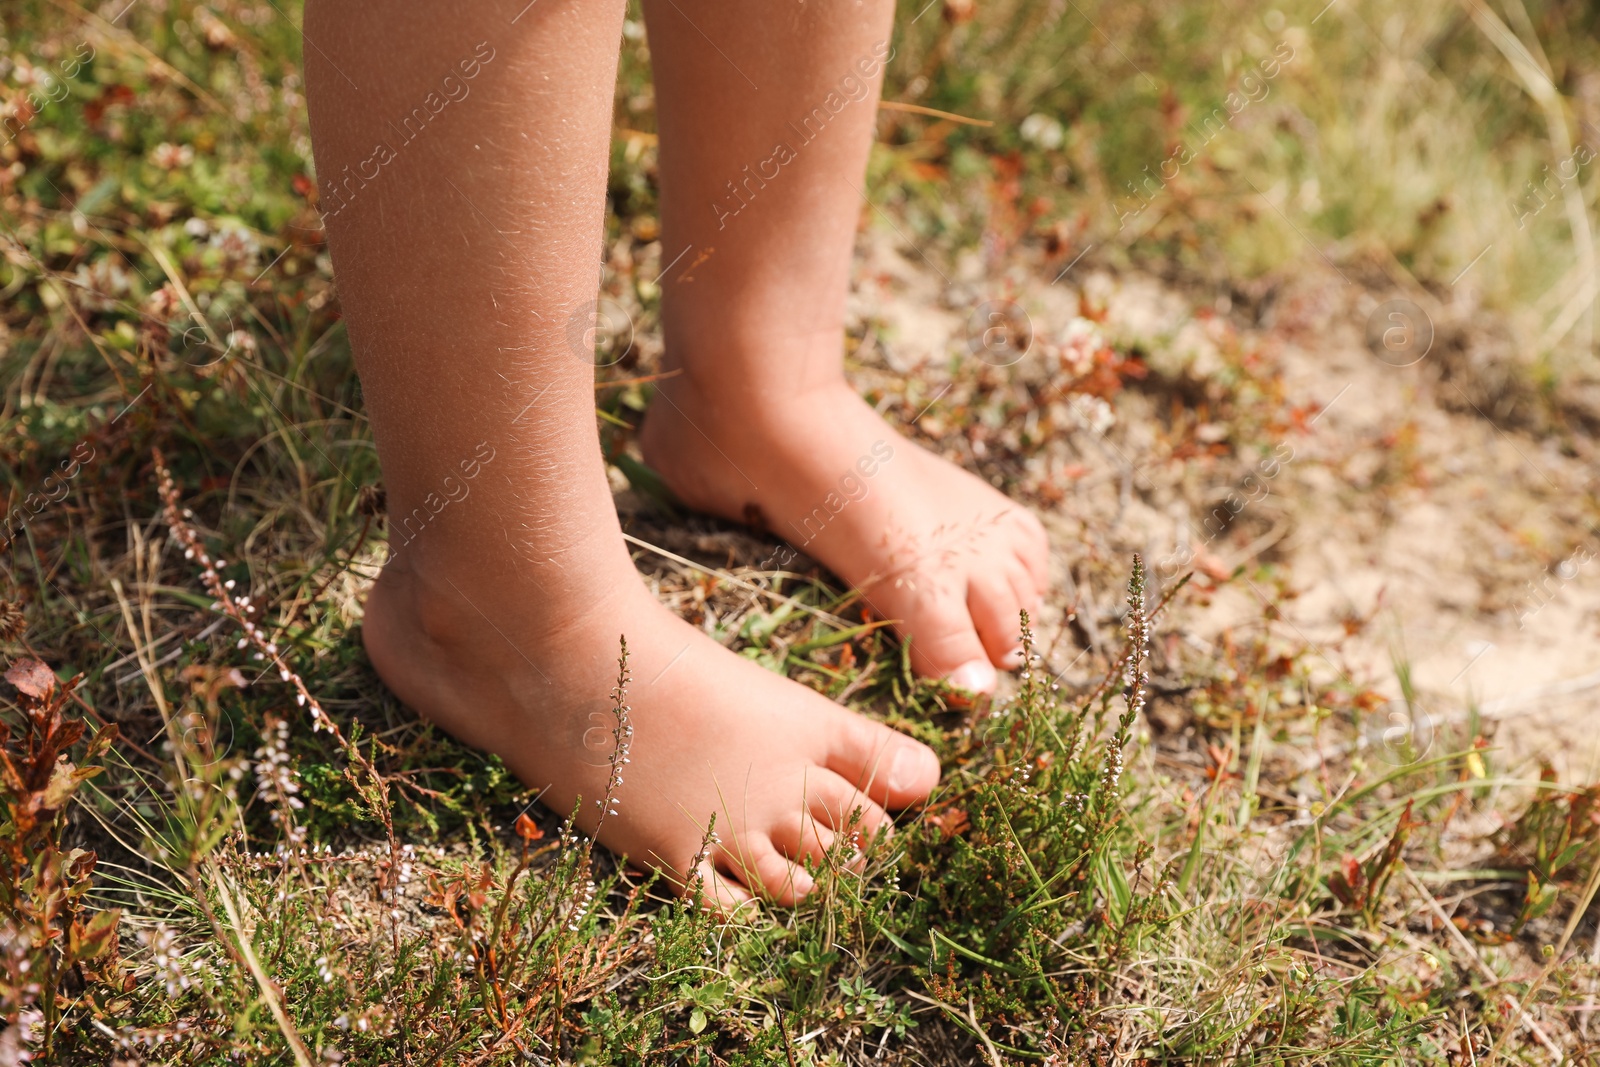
[528, 677]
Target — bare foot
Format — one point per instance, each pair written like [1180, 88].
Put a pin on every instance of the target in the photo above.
[927, 544]
[783, 768]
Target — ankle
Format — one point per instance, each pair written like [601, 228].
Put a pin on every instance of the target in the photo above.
[721, 405]
[420, 598]
[756, 365]
[448, 603]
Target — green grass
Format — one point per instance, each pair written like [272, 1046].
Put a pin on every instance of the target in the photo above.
[1085, 887]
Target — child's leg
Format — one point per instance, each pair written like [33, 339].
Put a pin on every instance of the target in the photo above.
[465, 246]
[764, 140]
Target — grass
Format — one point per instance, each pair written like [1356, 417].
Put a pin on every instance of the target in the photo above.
[236, 884]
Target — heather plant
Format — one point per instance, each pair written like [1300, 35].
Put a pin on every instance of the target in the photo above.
[1044, 848]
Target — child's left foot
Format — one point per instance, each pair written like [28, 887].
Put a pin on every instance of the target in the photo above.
[928, 545]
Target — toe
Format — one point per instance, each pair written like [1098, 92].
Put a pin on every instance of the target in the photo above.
[1029, 597]
[839, 808]
[996, 611]
[723, 894]
[944, 643]
[807, 840]
[887, 766]
[760, 866]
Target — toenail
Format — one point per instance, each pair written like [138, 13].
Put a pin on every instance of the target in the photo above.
[912, 765]
[977, 676]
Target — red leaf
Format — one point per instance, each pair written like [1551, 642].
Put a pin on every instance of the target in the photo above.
[952, 822]
[32, 678]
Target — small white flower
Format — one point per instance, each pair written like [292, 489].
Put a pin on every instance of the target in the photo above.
[1094, 414]
[1042, 131]
[1081, 341]
[169, 156]
[237, 244]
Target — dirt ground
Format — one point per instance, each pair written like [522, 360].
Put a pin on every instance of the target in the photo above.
[1407, 528]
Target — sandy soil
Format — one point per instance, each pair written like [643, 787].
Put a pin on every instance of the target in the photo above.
[1411, 529]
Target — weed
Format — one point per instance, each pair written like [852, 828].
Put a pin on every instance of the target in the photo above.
[51, 942]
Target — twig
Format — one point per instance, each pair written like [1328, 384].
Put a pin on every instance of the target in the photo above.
[783, 1031]
[932, 112]
[860, 680]
[741, 583]
[639, 381]
[1494, 979]
[1561, 946]
[366, 526]
[994, 1053]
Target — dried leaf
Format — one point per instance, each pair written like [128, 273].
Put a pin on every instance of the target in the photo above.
[32, 678]
[1348, 884]
[64, 782]
[952, 822]
[87, 941]
[102, 741]
[81, 863]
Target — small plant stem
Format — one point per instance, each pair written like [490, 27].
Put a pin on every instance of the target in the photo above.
[1252, 773]
[269, 992]
[1494, 979]
[1555, 960]
[783, 1032]
[1191, 863]
[555, 1035]
[361, 539]
[717, 572]
[994, 1053]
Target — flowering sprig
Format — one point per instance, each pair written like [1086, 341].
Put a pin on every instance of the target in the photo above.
[276, 781]
[239, 608]
[695, 888]
[175, 972]
[1136, 679]
[393, 871]
[325, 856]
[621, 736]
